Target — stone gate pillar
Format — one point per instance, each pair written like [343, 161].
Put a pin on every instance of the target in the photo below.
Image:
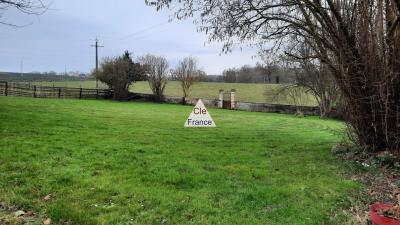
[233, 103]
[221, 98]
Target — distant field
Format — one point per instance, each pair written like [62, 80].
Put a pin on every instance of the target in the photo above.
[208, 90]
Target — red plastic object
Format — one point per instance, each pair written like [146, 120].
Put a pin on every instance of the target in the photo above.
[379, 219]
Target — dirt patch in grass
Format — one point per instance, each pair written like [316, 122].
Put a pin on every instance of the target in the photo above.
[380, 175]
[13, 215]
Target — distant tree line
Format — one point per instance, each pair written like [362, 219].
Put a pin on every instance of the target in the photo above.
[37, 76]
[260, 73]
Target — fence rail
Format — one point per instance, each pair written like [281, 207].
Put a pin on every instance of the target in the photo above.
[38, 91]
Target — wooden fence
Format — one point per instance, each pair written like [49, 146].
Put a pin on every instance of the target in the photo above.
[38, 91]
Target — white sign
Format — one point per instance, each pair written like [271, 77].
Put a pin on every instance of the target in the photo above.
[199, 117]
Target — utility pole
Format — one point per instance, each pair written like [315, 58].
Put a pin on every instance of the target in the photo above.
[97, 46]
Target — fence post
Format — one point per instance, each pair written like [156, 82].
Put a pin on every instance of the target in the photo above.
[80, 93]
[6, 89]
[97, 93]
[59, 92]
[34, 91]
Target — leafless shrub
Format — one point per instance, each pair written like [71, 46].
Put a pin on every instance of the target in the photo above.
[157, 74]
[293, 94]
[187, 74]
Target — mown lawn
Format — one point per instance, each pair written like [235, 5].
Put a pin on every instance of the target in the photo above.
[258, 93]
[134, 163]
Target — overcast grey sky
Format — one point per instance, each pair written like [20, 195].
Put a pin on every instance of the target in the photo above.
[62, 37]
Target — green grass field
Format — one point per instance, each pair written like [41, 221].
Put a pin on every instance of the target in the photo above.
[258, 93]
[134, 163]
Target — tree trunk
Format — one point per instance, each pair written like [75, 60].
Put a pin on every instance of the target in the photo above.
[374, 114]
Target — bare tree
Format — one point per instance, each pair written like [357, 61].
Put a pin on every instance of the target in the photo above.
[315, 78]
[269, 65]
[157, 74]
[187, 73]
[245, 74]
[32, 7]
[266, 71]
[292, 94]
[357, 40]
[230, 75]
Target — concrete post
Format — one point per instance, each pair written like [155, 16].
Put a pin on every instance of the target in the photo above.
[221, 98]
[233, 103]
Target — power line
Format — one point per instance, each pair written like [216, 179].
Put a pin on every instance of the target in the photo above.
[152, 33]
[140, 32]
[97, 46]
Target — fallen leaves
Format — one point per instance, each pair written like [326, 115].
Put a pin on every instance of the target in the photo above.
[47, 198]
[381, 185]
[29, 213]
[19, 213]
[47, 221]
[11, 214]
